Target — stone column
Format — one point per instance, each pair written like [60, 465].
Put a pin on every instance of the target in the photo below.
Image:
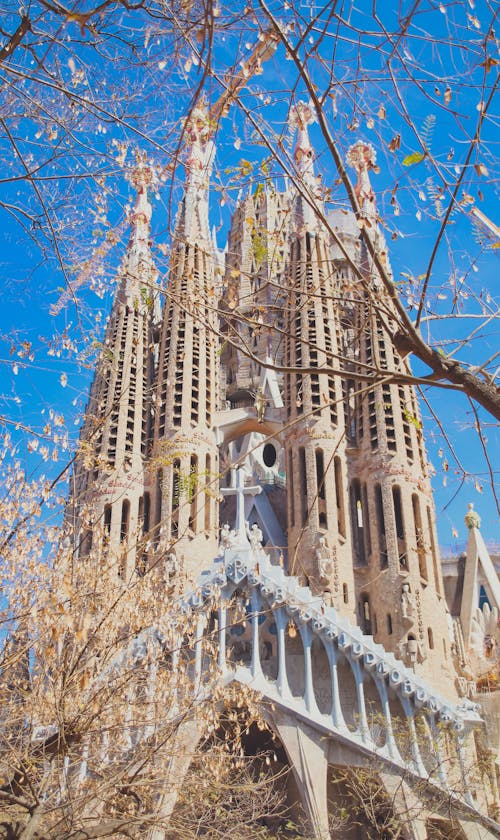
[307, 751]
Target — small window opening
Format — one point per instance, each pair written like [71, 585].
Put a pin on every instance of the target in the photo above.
[269, 455]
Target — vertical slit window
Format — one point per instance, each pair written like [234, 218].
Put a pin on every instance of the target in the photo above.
[400, 531]
[419, 536]
[357, 523]
[158, 506]
[433, 551]
[176, 468]
[365, 615]
[350, 412]
[107, 520]
[382, 543]
[339, 492]
[140, 548]
[193, 492]
[303, 484]
[208, 496]
[86, 544]
[146, 514]
[290, 483]
[320, 473]
[366, 520]
[125, 520]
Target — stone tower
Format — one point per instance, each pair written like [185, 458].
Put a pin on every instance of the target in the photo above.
[394, 547]
[184, 464]
[110, 497]
[319, 541]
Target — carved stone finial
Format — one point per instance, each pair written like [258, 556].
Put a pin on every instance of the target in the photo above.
[142, 178]
[471, 518]
[198, 131]
[300, 117]
[361, 156]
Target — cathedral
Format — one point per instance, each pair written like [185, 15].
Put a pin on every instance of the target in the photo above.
[254, 430]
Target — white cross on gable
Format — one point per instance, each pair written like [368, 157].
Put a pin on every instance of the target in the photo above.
[240, 491]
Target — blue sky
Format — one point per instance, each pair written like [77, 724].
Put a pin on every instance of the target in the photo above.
[146, 102]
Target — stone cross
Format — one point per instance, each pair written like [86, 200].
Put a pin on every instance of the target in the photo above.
[240, 491]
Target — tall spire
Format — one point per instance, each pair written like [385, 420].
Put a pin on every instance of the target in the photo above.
[111, 496]
[138, 267]
[141, 177]
[477, 560]
[301, 116]
[361, 156]
[199, 157]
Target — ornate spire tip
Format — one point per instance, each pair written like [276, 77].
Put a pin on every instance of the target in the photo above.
[141, 176]
[471, 518]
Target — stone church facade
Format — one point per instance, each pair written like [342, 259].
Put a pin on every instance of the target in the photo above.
[260, 431]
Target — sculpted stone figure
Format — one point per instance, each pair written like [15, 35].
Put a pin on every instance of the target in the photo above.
[260, 405]
[226, 538]
[171, 566]
[254, 535]
[407, 601]
[324, 560]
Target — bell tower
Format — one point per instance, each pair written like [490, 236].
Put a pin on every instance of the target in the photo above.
[184, 466]
[110, 497]
[394, 545]
[315, 436]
